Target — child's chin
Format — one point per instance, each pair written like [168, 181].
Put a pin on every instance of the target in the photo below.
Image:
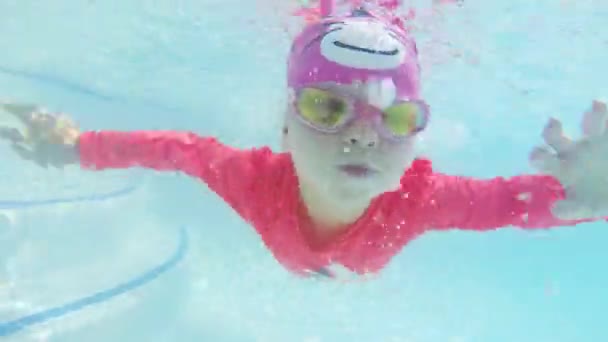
[359, 187]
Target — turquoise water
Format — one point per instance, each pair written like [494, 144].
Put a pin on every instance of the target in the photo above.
[494, 73]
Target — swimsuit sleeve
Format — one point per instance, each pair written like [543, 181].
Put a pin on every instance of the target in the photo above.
[483, 204]
[230, 172]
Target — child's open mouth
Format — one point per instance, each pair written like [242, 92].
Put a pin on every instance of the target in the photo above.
[357, 170]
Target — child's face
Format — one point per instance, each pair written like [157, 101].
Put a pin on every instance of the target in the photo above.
[358, 160]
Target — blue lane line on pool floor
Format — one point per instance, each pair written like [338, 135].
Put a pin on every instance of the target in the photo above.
[58, 82]
[22, 204]
[16, 325]
[79, 88]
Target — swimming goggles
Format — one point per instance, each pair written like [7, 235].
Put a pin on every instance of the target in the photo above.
[328, 112]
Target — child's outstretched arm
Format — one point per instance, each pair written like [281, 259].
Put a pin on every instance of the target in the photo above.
[187, 152]
[54, 140]
[572, 188]
[524, 201]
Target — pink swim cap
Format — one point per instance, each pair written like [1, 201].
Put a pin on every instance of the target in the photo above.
[356, 47]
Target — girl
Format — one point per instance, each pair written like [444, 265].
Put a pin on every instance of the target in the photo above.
[348, 190]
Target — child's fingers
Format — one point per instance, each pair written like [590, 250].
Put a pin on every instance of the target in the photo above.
[24, 153]
[11, 134]
[23, 112]
[594, 120]
[553, 135]
[31, 115]
[544, 160]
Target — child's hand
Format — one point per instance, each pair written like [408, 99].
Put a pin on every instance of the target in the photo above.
[48, 139]
[580, 165]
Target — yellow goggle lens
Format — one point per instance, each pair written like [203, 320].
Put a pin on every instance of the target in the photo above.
[322, 108]
[402, 119]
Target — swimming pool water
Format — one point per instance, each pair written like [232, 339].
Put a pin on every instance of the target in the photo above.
[493, 71]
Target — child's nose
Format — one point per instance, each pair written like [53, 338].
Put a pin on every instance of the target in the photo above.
[362, 134]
